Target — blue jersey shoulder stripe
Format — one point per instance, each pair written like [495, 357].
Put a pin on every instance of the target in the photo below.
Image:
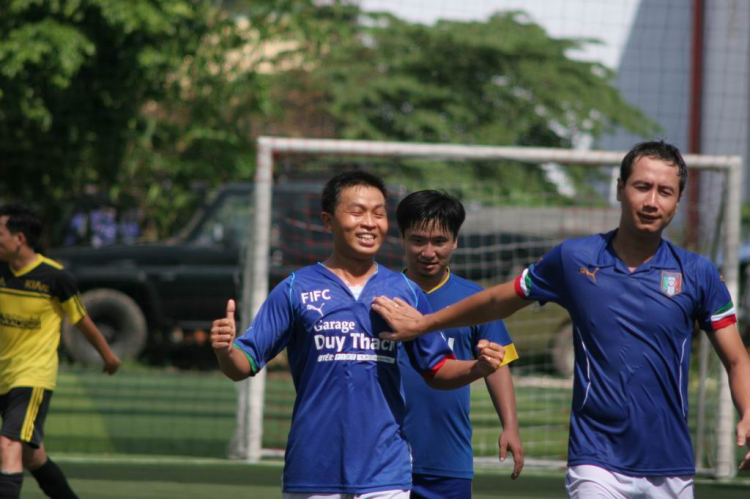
[408, 283]
[291, 284]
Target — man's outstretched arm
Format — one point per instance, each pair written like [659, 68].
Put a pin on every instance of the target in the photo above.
[497, 302]
[233, 362]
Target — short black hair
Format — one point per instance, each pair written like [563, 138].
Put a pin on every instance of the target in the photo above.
[421, 209]
[332, 190]
[23, 219]
[655, 150]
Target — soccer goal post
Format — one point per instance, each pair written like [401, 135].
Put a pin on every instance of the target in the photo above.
[508, 226]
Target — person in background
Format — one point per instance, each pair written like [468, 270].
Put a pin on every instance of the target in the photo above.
[35, 293]
[429, 222]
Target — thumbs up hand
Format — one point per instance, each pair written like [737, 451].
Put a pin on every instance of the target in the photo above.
[224, 331]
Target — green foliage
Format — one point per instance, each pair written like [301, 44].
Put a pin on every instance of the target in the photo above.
[142, 98]
[499, 82]
[503, 81]
[75, 76]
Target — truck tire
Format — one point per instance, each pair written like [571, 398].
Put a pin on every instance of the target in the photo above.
[119, 319]
[563, 351]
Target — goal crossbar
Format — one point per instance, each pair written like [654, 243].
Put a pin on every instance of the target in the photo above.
[461, 151]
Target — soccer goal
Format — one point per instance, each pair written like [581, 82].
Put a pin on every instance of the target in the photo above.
[520, 203]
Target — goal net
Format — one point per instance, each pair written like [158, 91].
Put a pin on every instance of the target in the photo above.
[520, 203]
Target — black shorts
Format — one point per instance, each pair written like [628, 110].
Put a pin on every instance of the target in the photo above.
[23, 411]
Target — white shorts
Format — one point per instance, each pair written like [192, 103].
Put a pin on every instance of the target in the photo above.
[385, 494]
[586, 482]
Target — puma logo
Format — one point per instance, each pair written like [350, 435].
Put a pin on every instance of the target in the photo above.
[587, 272]
[317, 309]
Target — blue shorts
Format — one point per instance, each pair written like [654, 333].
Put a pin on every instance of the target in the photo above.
[439, 487]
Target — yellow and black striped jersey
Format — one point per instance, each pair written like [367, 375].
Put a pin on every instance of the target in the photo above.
[32, 303]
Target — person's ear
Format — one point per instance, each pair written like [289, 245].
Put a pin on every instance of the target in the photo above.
[326, 218]
[21, 238]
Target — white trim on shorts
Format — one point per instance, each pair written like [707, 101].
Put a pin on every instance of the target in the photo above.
[587, 481]
[384, 494]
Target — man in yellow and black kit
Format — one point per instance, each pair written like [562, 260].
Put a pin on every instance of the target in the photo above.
[34, 294]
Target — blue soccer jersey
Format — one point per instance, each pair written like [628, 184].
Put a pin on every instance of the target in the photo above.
[347, 426]
[437, 421]
[632, 334]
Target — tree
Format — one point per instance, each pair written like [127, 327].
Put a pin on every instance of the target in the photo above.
[74, 77]
[138, 99]
[142, 99]
[499, 82]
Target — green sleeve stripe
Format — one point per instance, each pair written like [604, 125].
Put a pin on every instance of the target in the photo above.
[724, 308]
[253, 364]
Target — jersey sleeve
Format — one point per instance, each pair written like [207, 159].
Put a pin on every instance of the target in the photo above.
[428, 352]
[716, 311]
[271, 328]
[497, 333]
[66, 292]
[543, 281]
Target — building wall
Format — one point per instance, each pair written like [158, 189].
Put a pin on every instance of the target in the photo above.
[726, 84]
[654, 70]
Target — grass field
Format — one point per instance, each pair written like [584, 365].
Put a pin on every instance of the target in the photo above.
[98, 424]
[116, 479]
[142, 411]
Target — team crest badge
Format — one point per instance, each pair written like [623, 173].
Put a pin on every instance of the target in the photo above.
[671, 283]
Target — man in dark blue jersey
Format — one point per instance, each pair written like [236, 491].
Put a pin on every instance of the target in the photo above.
[347, 438]
[429, 222]
[633, 298]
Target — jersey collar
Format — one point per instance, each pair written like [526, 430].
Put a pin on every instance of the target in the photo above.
[443, 282]
[440, 285]
[28, 268]
[328, 273]
[663, 259]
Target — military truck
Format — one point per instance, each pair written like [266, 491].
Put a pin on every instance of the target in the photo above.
[168, 292]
